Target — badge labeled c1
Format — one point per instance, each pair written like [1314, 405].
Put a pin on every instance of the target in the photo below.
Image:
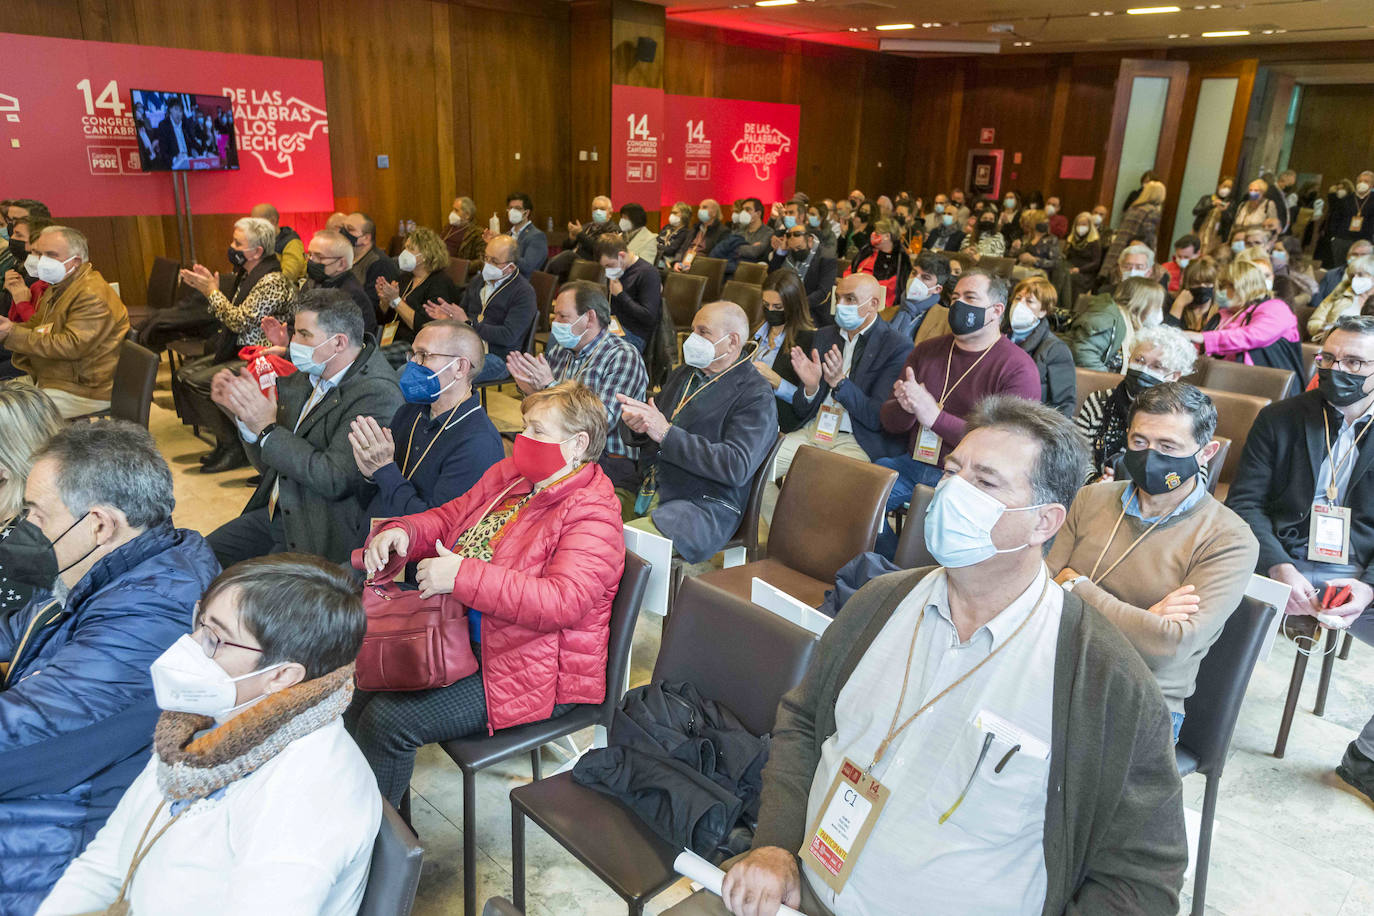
[837, 836]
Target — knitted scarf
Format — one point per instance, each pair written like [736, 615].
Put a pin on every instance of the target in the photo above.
[190, 767]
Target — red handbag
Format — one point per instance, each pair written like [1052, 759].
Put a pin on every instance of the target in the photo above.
[412, 643]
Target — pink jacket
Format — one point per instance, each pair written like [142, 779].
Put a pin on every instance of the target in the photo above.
[1268, 322]
[545, 597]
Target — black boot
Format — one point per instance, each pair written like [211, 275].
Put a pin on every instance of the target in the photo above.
[1358, 770]
[232, 459]
[215, 454]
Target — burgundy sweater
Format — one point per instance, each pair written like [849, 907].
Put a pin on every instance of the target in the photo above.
[1006, 370]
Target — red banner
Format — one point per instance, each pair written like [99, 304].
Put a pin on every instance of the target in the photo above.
[67, 134]
[636, 145]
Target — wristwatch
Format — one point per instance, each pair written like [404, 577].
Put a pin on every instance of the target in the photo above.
[262, 436]
[1073, 583]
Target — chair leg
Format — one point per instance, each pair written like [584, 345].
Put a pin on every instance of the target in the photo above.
[1204, 843]
[536, 765]
[1290, 704]
[469, 843]
[517, 858]
[404, 810]
[1345, 648]
[1328, 662]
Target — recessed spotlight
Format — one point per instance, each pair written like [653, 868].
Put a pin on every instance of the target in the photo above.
[935, 25]
[1108, 13]
[896, 26]
[1173, 36]
[1150, 10]
[1266, 31]
[1214, 6]
[1094, 13]
[774, 2]
[1229, 33]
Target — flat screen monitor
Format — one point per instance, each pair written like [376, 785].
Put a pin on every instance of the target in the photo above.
[183, 131]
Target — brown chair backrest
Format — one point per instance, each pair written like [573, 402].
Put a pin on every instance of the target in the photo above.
[1261, 381]
[1235, 415]
[749, 298]
[1309, 360]
[135, 377]
[733, 652]
[1218, 461]
[457, 271]
[748, 532]
[394, 247]
[684, 294]
[713, 269]
[1000, 266]
[1090, 380]
[544, 284]
[809, 533]
[751, 272]
[395, 872]
[587, 270]
[162, 283]
[1304, 312]
[912, 552]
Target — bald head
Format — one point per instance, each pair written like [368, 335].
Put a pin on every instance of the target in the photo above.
[502, 249]
[455, 338]
[332, 250]
[725, 325]
[335, 221]
[863, 287]
[267, 212]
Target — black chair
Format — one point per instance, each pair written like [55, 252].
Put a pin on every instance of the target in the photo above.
[395, 869]
[478, 753]
[912, 552]
[734, 652]
[1211, 713]
[528, 347]
[1303, 627]
[544, 284]
[587, 270]
[135, 377]
[500, 906]
[163, 281]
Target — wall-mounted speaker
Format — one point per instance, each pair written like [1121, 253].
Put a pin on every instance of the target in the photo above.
[645, 50]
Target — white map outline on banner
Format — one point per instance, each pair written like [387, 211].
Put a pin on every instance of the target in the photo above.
[761, 146]
[289, 144]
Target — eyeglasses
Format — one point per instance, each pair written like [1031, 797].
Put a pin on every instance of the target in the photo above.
[314, 258]
[494, 262]
[1326, 360]
[1154, 368]
[796, 235]
[423, 356]
[209, 641]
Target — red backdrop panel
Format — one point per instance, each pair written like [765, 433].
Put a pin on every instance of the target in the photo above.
[67, 134]
[636, 145]
[728, 149]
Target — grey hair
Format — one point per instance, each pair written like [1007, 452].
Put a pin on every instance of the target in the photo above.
[589, 297]
[1180, 397]
[76, 242]
[1177, 354]
[1355, 324]
[259, 233]
[337, 244]
[998, 287]
[111, 463]
[1061, 463]
[29, 419]
[1137, 248]
[466, 208]
[732, 317]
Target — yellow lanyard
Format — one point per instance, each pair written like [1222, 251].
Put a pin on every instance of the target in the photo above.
[1335, 466]
[948, 389]
[406, 470]
[743, 359]
[1093, 577]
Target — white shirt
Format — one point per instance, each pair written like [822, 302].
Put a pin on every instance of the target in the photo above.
[295, 836]
[988, 857]
[1343, 446]
[846, 425]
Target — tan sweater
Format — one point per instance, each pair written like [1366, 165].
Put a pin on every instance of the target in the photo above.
[1208, 547]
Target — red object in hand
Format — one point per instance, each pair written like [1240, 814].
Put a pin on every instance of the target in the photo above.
[266, 367]
[1334, 596]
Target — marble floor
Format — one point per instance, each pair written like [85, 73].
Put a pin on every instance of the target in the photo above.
[1291, 837]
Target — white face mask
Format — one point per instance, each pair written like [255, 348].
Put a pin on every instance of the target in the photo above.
[1022, 318]
[1051, 209]
[1223, 193]
[1183, 262]
[1097, 219]
[674, 220]
[31, 266]
[704, 215]
[916, 290]
[1238, 246]
[741, 218]
[626, 226]
[1341, 192]
[491, 273]
[303, 358]
[1362, 188]
[613, 273]
[1136, 272]
[1361, 285]
[185, 679]
[698, 352]
[959, 524]
[51, 270]
[406, 261]
[1081, 229]
[454, 217]
[516, 216]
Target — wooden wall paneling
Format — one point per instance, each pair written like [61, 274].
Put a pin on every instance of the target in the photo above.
[589, 96]
[1086, 128]
[1014, 98]
[885, 117]
[631, 20]
[829, 137]
[1054, 140]
[436, 215]
[1177, 73]
[1335, 132]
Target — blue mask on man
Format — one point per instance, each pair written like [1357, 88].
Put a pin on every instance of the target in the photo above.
[420, 384]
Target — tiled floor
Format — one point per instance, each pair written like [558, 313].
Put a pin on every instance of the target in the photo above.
[1291, 838]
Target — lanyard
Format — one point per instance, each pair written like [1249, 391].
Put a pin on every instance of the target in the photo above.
[1331, 458]
[583, 362]
[1093, 577]
[743, 359]
[406, 469]
[894, 729]
[948, 389]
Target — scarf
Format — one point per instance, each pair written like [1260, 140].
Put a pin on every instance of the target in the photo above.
[191, 768]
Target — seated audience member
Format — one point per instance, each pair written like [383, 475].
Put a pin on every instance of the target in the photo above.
[329, 265]
[1101, 335]
[583, 349]
[1083, 253]
[1155, 553]
[287, 244]
[308, 500]
[1186, 250]
[750, 240]
[532, 246]
[986, 240]
[1255, 207]
[70, 346]
[499, 303]
[1061, 678]
[29, 419]
[1139, 226]
[1102, 219]
[786, 324]
[424, 278]
[268, 671]
[920, 314]
[845, 377]
[675, 236]
[1305, 458]
[703, 437]
[1028, 325]
[944, 378]
[336, 221]
[1294, 280]
[1336, 275]
[463, 236]
[447, 440]
[1348, 298]
[636, 289]
[801, 251]
[1059, 221]
[946, 233]
[1254, 328]
[1038, 248]
[370, 263]
[115, 586]
[819, 220]
[639, 238]
[885, 259]
[19, 296]
[1009, 219]
[1195, 307]
[258, 290]
[582, 237]
[535, 551]
[939, 205]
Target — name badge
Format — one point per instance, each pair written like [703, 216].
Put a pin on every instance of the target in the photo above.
[837, 836]
[1356, 223]
[615, 327]
[828, 423]
[927, 446]
[389, 332]
[1328, 537]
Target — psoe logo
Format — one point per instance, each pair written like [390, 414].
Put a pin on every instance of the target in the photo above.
[761, 146]
[273, 129]
[9, 114]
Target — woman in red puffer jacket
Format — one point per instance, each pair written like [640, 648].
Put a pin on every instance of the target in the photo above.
[536, 550]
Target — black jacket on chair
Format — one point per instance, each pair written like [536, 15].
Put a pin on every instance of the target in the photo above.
[1054, 361]
[505, 321]
[1276, 481]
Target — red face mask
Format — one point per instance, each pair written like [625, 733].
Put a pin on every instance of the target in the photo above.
[537, 460]
[876, 240]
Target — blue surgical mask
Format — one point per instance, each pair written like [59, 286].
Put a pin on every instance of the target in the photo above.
[420, 384]
[563, 333]
[959, 524]
[814, 221]
[847, 316]
[303, 358]
[789, 222]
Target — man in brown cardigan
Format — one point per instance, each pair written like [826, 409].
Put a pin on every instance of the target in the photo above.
[71, 344]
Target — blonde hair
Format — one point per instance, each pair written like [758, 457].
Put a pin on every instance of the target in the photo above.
[1030, 217]
[1203, 270]
[579, 411]
[1043, 290]
[1246, 284]
[430, 248]
[29, 419]
[1138, 297]
[1255, 255]
[1092, 235]
[1153, 192]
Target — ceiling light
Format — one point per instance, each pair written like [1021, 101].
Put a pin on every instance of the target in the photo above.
[1230, 33]
[896, 26]
[1108, 13]
[1148, 10]
[1094, 13]
[774, 2]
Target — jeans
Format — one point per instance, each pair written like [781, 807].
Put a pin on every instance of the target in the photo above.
[910, 474]
[1178, 724]
[493, 368]
[634, 340]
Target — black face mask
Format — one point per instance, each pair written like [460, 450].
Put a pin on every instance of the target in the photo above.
[20, 250]
[315, 271]
[352, 239]
[1202, 295]
[965, 318]
[774, 317]
[1157, 473]
[1042, 228]
[236, 257]
[1339, 387]
[1137, 380]
[799, 254]
[26, 556]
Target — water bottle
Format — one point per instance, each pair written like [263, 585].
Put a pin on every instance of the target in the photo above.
[494, 224]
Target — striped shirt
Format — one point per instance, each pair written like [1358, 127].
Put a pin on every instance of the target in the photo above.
[608, 366]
